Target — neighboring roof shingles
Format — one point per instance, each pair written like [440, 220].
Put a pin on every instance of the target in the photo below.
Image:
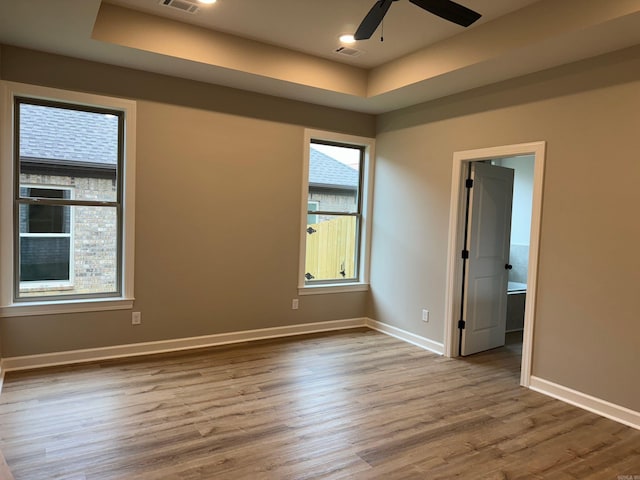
[326, 171]
[70, 135]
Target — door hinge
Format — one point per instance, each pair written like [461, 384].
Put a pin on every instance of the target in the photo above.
[469, 183]
[465, 254]
[462, 324]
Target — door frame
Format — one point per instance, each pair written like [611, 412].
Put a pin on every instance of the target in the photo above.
[456, 237]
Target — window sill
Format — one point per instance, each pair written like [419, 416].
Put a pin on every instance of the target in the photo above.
[65, 306]
[333, 288]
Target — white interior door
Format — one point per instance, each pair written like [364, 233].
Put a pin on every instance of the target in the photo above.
[488, 240]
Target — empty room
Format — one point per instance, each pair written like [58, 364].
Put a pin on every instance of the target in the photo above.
[284, 239]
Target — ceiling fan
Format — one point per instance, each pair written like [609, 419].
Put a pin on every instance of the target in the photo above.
[446, 9]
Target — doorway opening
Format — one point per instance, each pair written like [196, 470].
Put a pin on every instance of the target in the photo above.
[514, 155]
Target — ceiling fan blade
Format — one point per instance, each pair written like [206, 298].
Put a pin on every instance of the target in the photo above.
[372, 20]
[449, 10]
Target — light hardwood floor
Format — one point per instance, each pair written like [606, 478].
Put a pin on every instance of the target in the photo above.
[355, 404]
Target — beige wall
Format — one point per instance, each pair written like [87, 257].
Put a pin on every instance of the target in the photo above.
[586, 327]
[217, 210]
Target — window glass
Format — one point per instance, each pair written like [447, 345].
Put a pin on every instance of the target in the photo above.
[45, 237]
[44, 259]
[334, 177]
[332, 249]
[66, 146]
[68, 201]
[312, 206]
[333, 213]
[45, 218]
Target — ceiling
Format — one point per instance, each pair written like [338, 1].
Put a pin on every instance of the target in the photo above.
[313, 26]
[287, 47]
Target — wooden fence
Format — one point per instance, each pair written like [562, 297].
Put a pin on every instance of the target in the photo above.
[331, 249]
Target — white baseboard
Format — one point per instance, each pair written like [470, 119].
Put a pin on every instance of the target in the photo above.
[417, 340]
[163, 346]
[595, 405]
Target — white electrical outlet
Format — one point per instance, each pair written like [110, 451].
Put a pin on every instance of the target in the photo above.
[294, 304]
[136, 318]
[425, 315]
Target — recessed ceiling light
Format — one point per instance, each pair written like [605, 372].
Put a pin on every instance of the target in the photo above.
[348, 38]
[207, 2]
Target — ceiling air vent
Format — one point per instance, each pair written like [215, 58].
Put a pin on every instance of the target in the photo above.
[182, 5]
[349, 52]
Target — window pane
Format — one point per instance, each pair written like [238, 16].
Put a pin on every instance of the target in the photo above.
[60, 146]
[44, 219]
[312, 207]
[91, 256]
[39, 192]
[334, 177]
[331, 248]
[44, 258]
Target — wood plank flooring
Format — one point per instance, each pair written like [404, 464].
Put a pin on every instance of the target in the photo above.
[355, 404]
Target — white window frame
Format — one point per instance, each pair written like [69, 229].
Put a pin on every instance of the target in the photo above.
[53, 284]
[362, 282]
[10, 308]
